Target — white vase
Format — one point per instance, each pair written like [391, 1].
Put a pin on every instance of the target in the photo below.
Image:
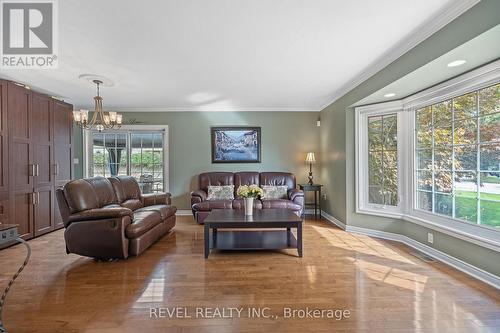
[248, 206]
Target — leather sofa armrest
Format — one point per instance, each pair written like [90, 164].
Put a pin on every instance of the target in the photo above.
[100, 213]
[102, 239]
[151, 199]
[202, 195]
[295, 194]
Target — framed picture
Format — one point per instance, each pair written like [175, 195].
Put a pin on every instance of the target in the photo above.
[235, 144]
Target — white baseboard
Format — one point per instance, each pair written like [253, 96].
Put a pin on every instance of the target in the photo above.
[467, 268]
[183, 212]
[333, 220]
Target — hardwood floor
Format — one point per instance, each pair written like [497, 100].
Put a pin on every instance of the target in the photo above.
[384, 287]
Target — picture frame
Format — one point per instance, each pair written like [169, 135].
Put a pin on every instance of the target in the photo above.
[236, 144]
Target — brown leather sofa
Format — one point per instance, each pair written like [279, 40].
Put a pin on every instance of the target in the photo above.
[201, 207]
[109, 217]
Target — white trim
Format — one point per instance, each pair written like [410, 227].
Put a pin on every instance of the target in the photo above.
[166, 148]
[333, 220]
[462, 266]
[206, 109]
[184, 212]
[421, 33]
[474, 80]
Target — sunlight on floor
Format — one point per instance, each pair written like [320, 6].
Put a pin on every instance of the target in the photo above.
[360, 244]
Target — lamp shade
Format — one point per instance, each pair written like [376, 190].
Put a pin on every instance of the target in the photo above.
[310, 158]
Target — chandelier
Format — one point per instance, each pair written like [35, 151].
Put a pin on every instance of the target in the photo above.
[100, 119]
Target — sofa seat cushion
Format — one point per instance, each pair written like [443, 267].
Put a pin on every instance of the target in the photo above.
[142, 223]
[280, 203]
[164, 210]
[208, 205]
[240, 204]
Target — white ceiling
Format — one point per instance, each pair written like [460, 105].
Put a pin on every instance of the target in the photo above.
[478, 51]
[226, 54]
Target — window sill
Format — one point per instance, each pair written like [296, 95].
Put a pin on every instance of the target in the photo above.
[483, 237]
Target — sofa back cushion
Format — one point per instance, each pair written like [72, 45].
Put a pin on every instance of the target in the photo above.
[215, 179]
[89, 193]
[278, 179]
[245, 178]
[127, 191]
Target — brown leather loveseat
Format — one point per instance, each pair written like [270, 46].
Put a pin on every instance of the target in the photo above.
[109, 217]
[201, 207]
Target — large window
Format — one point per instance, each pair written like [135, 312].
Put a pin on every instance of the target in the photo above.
[433, 158]
[458, 157]
[138, 153]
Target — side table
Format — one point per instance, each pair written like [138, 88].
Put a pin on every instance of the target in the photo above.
[316, 188]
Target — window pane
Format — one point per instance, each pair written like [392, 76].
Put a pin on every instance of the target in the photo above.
[424, 117]
[424, 159]
[489, 100]
[424, 200]
[382, 160]
[489, 186]
[443, 136]
[465, 132]
[424, 138]
[390, 186]
[465, 184]
[442, 159]
[443, 204]
[466, 208]
[490, 157]
[490, 213]
[465, 157]
[465, 106]
[490, 128]
[424, 180]
[375, 133]
[442, 114]
[442, 181]
[390, 132]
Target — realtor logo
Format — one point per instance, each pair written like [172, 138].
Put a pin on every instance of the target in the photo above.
[29, 39]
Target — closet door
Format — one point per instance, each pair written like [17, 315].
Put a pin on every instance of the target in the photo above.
[42, 143]
[63, 150]
[4, 156]
[21, 167]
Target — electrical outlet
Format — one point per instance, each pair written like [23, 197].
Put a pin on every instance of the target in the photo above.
[430, 237]
[324, 196]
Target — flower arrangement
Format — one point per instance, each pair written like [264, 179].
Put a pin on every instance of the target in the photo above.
[252, 191]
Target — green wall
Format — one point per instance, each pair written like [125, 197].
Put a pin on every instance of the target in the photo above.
[337, 138]
[286, 138]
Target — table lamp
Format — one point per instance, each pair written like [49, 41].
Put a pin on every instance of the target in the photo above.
[310, 159]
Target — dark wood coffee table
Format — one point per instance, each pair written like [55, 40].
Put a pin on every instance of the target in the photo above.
[258, 239]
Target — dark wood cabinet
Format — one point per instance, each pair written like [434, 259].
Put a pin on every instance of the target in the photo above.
[36, 157]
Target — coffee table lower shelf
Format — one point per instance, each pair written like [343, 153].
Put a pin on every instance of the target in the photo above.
[252, 240]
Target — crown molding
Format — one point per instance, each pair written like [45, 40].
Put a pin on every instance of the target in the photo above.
[194, 109]
[417, 36]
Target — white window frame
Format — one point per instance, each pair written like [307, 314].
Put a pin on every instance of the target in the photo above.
[362, 114]
[474, 80]
[87, 145]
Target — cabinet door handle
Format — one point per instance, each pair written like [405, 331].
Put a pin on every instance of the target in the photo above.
[33, 171]
[37, 169]
[37, 198]
[33, 198]
[56, 169]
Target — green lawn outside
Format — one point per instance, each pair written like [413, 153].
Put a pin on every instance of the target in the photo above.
[465, 203]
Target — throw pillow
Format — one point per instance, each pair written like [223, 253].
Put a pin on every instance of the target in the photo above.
[275, 192]
[224, 192]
